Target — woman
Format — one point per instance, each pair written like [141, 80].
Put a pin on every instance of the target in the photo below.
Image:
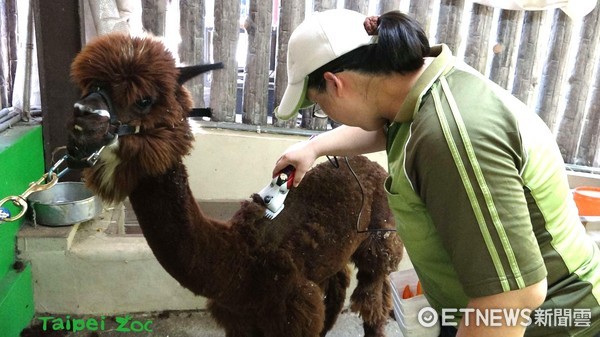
[477, 183]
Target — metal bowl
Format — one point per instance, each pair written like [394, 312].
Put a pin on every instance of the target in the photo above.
[64, 204]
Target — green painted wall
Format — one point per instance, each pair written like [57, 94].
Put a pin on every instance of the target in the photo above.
[21, 162]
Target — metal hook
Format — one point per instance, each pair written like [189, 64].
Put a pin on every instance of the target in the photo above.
[21, 200]
[56, 165]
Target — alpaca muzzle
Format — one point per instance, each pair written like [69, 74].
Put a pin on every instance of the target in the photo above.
[99, 103]
[95, 126]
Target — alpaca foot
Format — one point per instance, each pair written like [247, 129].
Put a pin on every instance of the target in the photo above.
[377, 330]
[373, 301]
[334, 289]
[368, 302]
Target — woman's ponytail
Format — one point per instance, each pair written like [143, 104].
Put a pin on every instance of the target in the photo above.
[402, 44]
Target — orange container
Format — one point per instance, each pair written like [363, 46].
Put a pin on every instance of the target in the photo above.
[587, 199]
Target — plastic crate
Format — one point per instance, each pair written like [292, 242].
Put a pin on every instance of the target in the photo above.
[407, 310]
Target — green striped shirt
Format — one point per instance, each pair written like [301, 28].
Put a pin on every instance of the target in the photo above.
[481, 199]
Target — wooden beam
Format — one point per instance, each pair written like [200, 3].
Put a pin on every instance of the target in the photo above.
[58, 38]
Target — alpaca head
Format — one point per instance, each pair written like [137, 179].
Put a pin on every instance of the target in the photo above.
[133, 106]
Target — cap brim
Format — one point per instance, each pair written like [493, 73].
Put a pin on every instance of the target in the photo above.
[294, 99]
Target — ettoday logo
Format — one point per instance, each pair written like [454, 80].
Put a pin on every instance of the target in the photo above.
[553, 317]
[124, 324]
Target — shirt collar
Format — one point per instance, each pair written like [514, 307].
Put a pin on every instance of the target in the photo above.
[443, 62]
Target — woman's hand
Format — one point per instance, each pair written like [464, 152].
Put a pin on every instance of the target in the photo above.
[301, 156]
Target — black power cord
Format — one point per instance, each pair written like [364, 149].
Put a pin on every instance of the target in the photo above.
[336, 164]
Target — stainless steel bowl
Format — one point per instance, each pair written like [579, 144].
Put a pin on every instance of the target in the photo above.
[64, 204]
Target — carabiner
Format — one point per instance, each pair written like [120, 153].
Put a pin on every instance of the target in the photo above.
[21, 200]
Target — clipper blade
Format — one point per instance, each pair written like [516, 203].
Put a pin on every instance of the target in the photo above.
[274, 194]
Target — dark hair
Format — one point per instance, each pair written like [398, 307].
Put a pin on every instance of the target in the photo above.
[401, 46]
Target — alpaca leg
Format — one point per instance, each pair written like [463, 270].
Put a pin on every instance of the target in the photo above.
[335, 295]
[368, 300]
[378, 328]
[375, 258]
[234, 324]
[300, 315]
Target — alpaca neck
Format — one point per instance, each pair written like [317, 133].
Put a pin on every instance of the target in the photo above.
[184, 241]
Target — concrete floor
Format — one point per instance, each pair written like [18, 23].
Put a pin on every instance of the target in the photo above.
[190, 324]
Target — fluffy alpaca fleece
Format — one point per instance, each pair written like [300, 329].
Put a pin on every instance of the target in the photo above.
[271, 278]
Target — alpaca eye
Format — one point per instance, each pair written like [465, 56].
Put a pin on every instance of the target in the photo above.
[95, 88]
[143, 103]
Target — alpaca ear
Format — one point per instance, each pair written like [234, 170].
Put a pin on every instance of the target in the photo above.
[189, 72]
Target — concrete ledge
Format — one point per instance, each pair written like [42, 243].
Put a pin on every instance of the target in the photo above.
[98, 273]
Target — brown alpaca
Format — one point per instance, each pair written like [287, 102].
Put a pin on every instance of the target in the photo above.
[271, 278]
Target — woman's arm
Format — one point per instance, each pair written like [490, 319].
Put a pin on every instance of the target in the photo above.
[521, 302]
[341, 141]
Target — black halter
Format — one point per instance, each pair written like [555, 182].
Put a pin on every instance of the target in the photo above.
[116, 128]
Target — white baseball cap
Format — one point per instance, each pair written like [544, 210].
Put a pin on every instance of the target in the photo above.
[319, 39]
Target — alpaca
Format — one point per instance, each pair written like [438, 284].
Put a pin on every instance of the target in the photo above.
[282, 277]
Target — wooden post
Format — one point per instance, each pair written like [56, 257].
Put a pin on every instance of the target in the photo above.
[554, 66]
[9, 52]
[57, 44]
[589, 144]
[525, 83]
[11, 13]
[384, 6]
[154, 16]
[191, 49]
[256, 83]
[506, 45]
[290, 16]
[588, 152]
[224, 82]
[361, 6]
[5, 76]
[321, 5]
[308, 120]
[476, 51]
[421, 10]
[449, 21]
[572, 122]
